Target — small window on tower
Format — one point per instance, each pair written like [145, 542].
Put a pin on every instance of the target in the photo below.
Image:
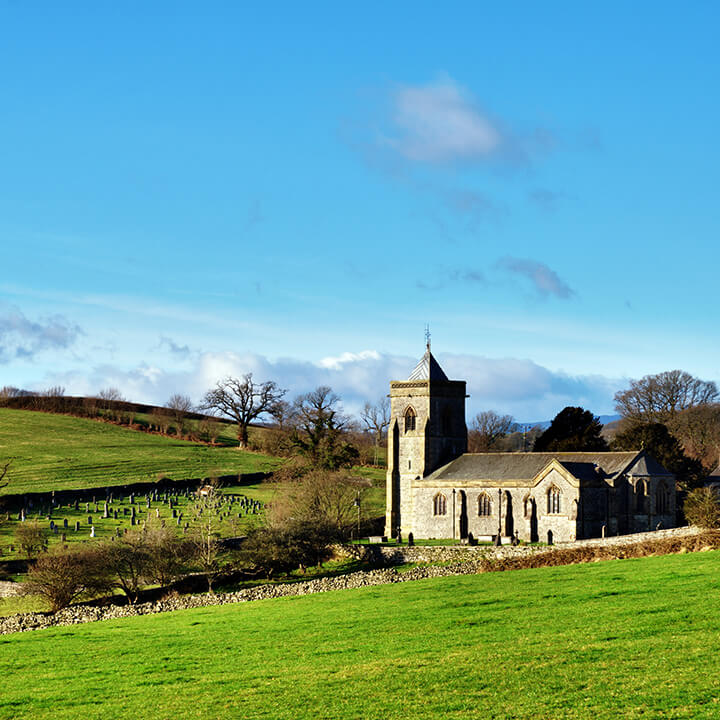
[409, 419]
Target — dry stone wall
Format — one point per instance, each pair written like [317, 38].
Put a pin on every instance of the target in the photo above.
[457, 561]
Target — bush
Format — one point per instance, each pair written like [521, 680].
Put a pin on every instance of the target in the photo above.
[31, 538]
[62, 576]
[702, 507]
[269, 551]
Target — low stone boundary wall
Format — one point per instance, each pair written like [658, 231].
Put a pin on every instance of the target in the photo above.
[461, 561]
[389, 555]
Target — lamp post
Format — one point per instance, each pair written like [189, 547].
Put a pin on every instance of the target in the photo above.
[498, 542]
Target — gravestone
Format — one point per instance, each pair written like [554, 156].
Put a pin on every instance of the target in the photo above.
[92, 531]
[77, 525]
[89, 520]
[65, 523]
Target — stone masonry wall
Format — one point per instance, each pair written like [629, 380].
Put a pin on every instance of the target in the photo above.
[461, 560]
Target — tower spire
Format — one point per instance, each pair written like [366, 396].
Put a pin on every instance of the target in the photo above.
[427, 336]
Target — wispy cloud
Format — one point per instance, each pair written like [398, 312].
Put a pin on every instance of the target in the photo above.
[443, 123]
[545, 199]
[21, 337]
[173, 347]
[543, 279]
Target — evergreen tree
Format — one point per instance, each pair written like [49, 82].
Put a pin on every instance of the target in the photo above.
[573, 429]
[664, 447]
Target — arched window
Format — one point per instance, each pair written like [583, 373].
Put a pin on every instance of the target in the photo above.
[439, 505]
[661, 499]
[409, 419]
[527, 506]
[484, 505]
[640, 497]
[553, 500]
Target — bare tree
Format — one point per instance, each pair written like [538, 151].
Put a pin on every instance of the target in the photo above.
[376, 418]
[111, 394]
[698, 429]
[330, 499]
[487, 428]
[61, 576]
[243, 400]
[179, 406]
[206, 549]
[31, 538]
[659, 398]
[160, 419]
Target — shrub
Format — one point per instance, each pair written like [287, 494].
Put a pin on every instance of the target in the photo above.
[31, 538]
[702, 507]
[62, 576]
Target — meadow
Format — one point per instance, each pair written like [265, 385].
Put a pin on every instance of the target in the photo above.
[617, 639]
[51, 452]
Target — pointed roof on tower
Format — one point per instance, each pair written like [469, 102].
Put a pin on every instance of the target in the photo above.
[428, 368]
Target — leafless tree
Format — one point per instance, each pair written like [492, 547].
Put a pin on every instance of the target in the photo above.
[206, 548]
[31, 538]
[179, 406]
[211, 428]
[659, 398]
[698, 429]
[160, 419]
[127, 561]
[62, 576]
[282, 413]
[376, 419]
[243, 400]
[320, 496]
[111, 394]
[487, 428]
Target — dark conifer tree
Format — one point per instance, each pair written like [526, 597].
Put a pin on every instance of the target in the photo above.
[573, 429]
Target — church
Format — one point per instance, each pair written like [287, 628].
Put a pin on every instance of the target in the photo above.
[436, 489]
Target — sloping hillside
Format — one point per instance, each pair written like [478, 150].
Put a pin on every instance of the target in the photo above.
[59, 451]
[625, 638]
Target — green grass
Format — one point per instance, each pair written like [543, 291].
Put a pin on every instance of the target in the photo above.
[51, 452]
[231, 526]
[620, 639]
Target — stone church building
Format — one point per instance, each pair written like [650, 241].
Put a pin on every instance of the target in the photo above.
[436, 489]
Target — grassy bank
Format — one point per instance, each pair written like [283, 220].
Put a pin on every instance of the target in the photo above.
[629, 638]
[51, 452]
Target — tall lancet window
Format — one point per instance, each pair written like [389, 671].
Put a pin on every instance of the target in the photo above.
[409, 420]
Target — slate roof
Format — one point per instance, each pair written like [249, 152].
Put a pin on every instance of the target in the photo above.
[524, 467]
[428, 369]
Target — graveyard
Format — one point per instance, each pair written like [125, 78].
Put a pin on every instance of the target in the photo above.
[238, 508]
[623, 638]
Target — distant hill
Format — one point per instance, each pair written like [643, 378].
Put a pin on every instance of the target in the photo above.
[545, 424]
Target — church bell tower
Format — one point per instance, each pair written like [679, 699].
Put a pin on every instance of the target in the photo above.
[427, 430]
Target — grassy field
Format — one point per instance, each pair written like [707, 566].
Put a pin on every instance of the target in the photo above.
[58, 451]
[234, 520]
[620, 639]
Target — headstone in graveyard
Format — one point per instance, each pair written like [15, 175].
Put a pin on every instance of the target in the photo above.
[89, 519]
[92, 531]
[77, 525]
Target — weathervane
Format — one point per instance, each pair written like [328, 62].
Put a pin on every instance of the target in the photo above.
[427, 336]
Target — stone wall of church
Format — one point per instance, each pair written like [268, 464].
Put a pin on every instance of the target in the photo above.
[524, 510]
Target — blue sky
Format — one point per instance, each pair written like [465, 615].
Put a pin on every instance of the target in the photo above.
[191, 190]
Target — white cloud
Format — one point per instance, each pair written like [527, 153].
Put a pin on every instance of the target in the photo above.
[440, 123]
[520, 387]
[23, 338]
